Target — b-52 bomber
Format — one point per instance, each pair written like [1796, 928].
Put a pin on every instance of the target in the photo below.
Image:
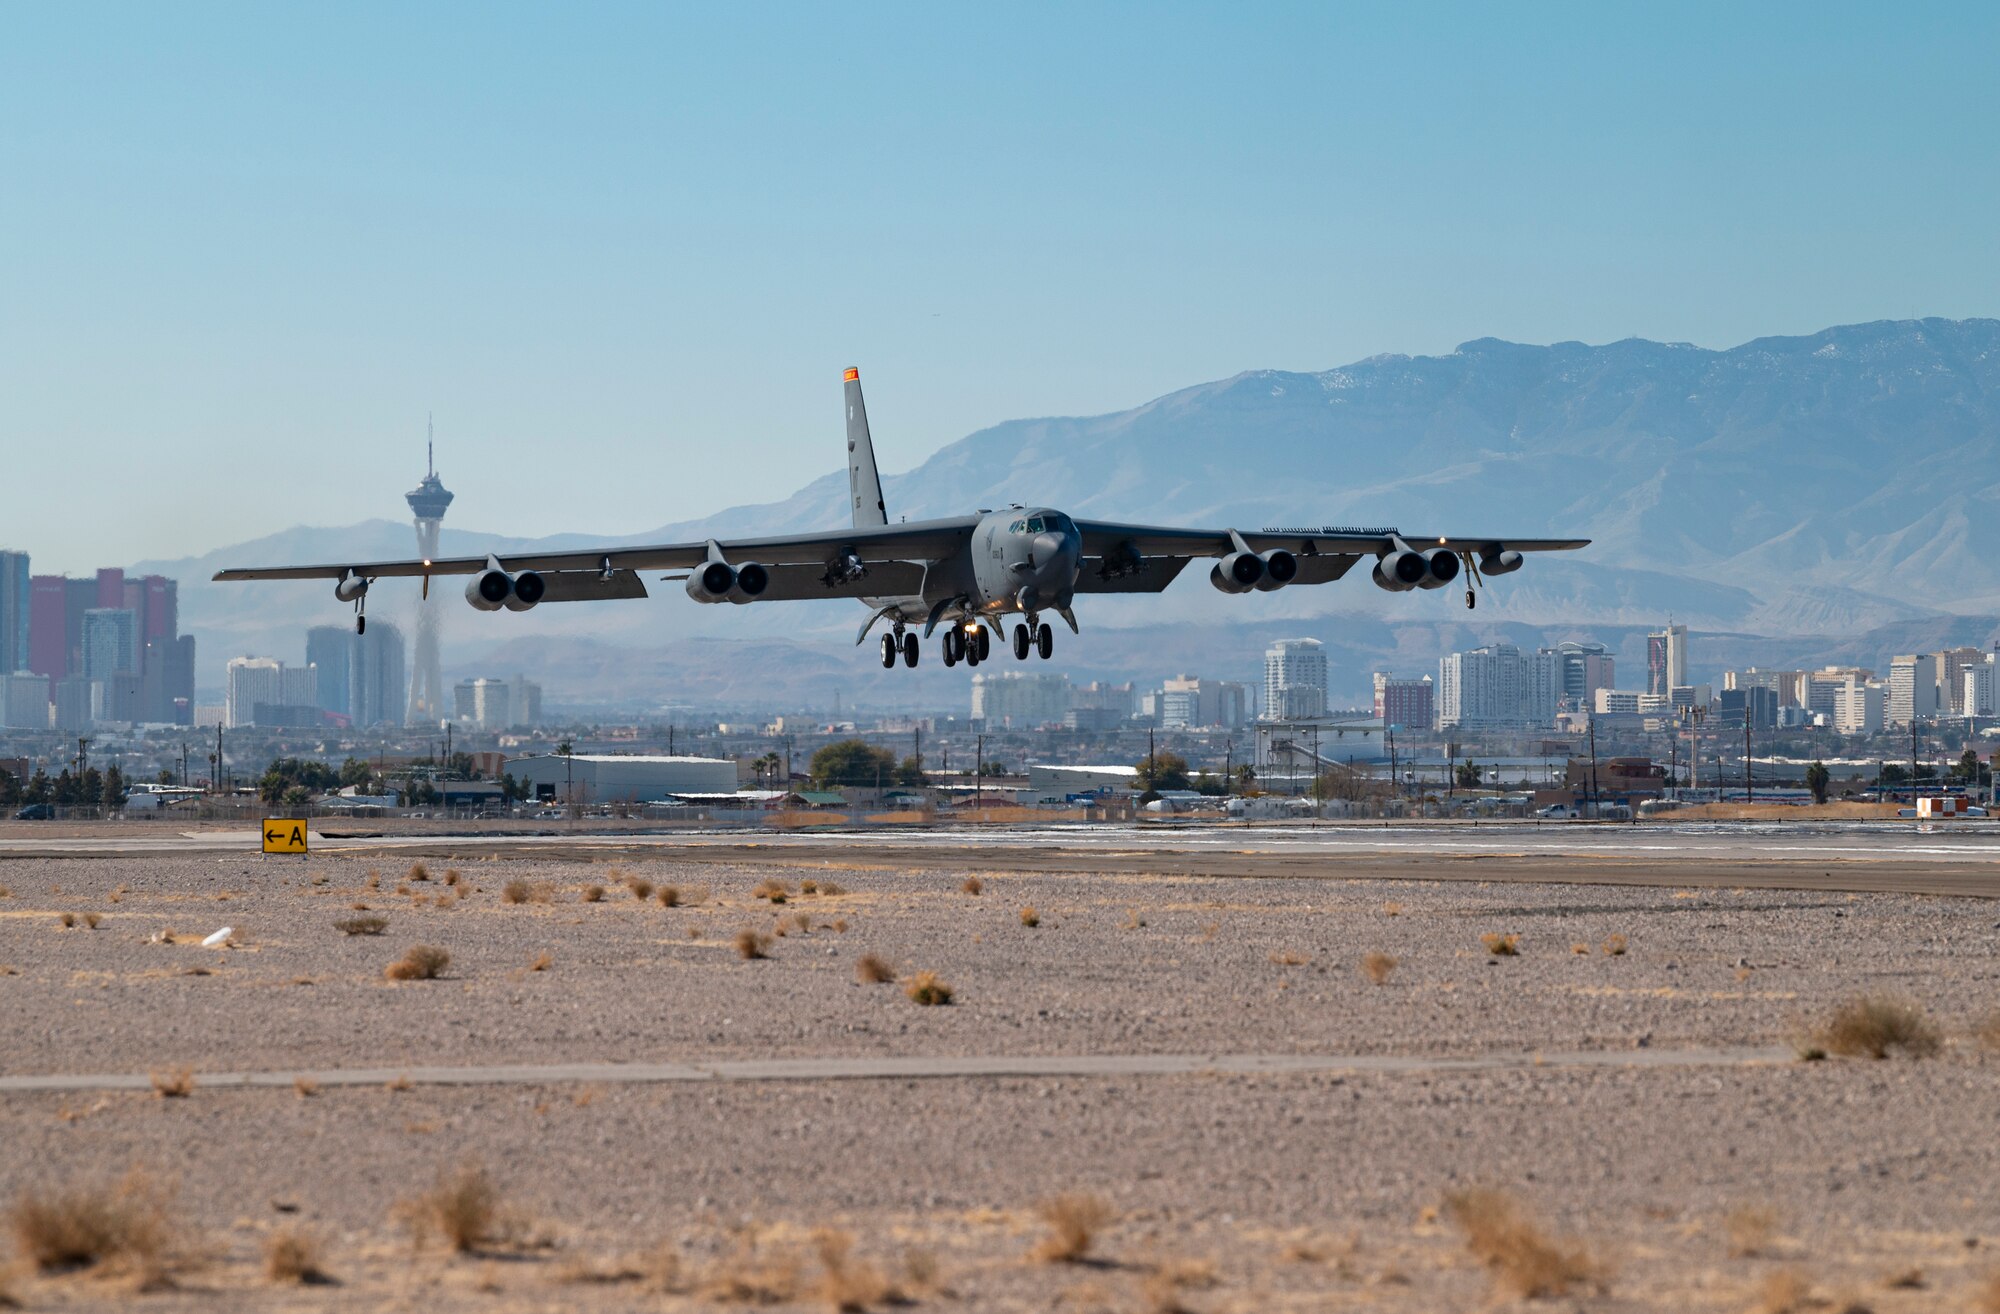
[967, 574]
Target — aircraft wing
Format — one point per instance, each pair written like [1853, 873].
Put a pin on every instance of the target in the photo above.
[790, 557]
[1108, 539]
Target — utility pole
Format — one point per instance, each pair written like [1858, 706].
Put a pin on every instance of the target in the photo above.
[216, 782]
[1749, 788]
[979, 771]
[917, 736]
[1319, 810]
[1594, 806]
[1228, 767]
[1913, 758]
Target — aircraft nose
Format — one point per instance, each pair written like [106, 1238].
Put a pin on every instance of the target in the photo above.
[1057, 557]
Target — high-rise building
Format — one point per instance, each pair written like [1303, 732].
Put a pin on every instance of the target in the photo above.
[1952, 665]
[428, 501]
[1490, 687]
[24, 701]
[48, 626]
[1975, 695]
[1405, 704]
[1858, 704]
[1187, 702]
[1018, 700]
[110, 643]
[16, 612]
[1666, 660]
[330, 651]
[1913, 689]
[1294, 680]
[248, 681]
[379, 690]
[1568, 676]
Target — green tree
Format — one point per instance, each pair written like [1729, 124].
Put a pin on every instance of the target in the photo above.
[40, 788]
[908, 772]
[1894, 773]
[358, 773]
[1817, 780]
[1467, 775]
[289, 772]
[1163, 771]
[166, 776]
[10, 789]
[63, 791]
[855, 763]
[114, 788]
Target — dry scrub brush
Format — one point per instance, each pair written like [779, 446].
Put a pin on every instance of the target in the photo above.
[1524, 1262]
[462, 1210]
[292, 1255]
[670, 896]
[775, 891]
[642, 890]
[1029, 917]
[973, 885]
[845, 1283]
[1875, 1026]
[873, 970]
[1377, 967]
[752, 945]
[928, 988]
[424, 962]
[1614, 946]
[173, 1083]
[419, 872]
[1074, 1221]
[120, 1229]
[372, 924]
[1501, 946]
[591, 894]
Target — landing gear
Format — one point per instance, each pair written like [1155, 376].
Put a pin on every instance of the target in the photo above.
[971, 645]
[909, 649]
[889, 650]
[950, 645]
[1471, 599]
[1045, 641]
[984, 638]
[360, 624]
[1022, 642]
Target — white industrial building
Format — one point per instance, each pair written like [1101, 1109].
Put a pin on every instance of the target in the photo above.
[1055, 782]
[589, 778]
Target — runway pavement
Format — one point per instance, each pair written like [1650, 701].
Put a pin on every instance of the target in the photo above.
[1893, 857]
[917, 1068]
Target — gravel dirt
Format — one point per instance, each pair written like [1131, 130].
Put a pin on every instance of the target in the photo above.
[1703, 1187]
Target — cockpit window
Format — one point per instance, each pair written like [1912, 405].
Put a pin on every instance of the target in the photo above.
[1059, 523]
[1035, 525]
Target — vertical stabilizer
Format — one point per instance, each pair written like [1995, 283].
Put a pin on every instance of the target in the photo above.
[864, 485]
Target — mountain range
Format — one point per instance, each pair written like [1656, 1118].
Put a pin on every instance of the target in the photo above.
[1809, 490]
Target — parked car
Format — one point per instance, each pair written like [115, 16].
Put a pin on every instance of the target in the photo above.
[36, 812]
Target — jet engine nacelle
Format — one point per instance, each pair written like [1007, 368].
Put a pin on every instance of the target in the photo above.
[1502, 562]
[1280, 569]
[1400, 571]
[1239, 572]
[527, 591]
[489, 590]
[1440, 568]
[718, 581]
[350, 588]
[712, 583]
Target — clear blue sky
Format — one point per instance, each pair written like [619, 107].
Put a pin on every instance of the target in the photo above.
[624, 251]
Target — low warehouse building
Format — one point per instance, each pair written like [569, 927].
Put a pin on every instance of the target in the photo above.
[613, 778]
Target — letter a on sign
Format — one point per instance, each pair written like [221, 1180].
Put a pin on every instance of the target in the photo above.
[284, 835]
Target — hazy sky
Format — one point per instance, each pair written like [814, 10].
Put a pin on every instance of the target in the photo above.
[624, 251]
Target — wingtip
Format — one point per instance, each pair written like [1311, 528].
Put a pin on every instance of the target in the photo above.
[852, 375]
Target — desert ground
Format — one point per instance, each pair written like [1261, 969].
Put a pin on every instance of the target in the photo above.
[1208, 1082]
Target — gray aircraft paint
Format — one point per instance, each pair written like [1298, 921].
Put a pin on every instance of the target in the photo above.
[864, 482]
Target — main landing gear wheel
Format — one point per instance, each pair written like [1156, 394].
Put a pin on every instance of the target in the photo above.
[888, 652]
[1471, 600]
[948, 645]
[971, 645]
[1045, 641]
[909, 649]
[1022, 642]
[985, 639]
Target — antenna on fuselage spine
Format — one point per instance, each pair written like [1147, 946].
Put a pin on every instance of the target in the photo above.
[864, 483]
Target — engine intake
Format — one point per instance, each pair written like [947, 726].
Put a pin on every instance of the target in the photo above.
[1400, 571]
[712, 583]
[751, 581]
[1440, 568]
[1280, 569]
[489, 590]
[1239, 572]
[528, 590]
